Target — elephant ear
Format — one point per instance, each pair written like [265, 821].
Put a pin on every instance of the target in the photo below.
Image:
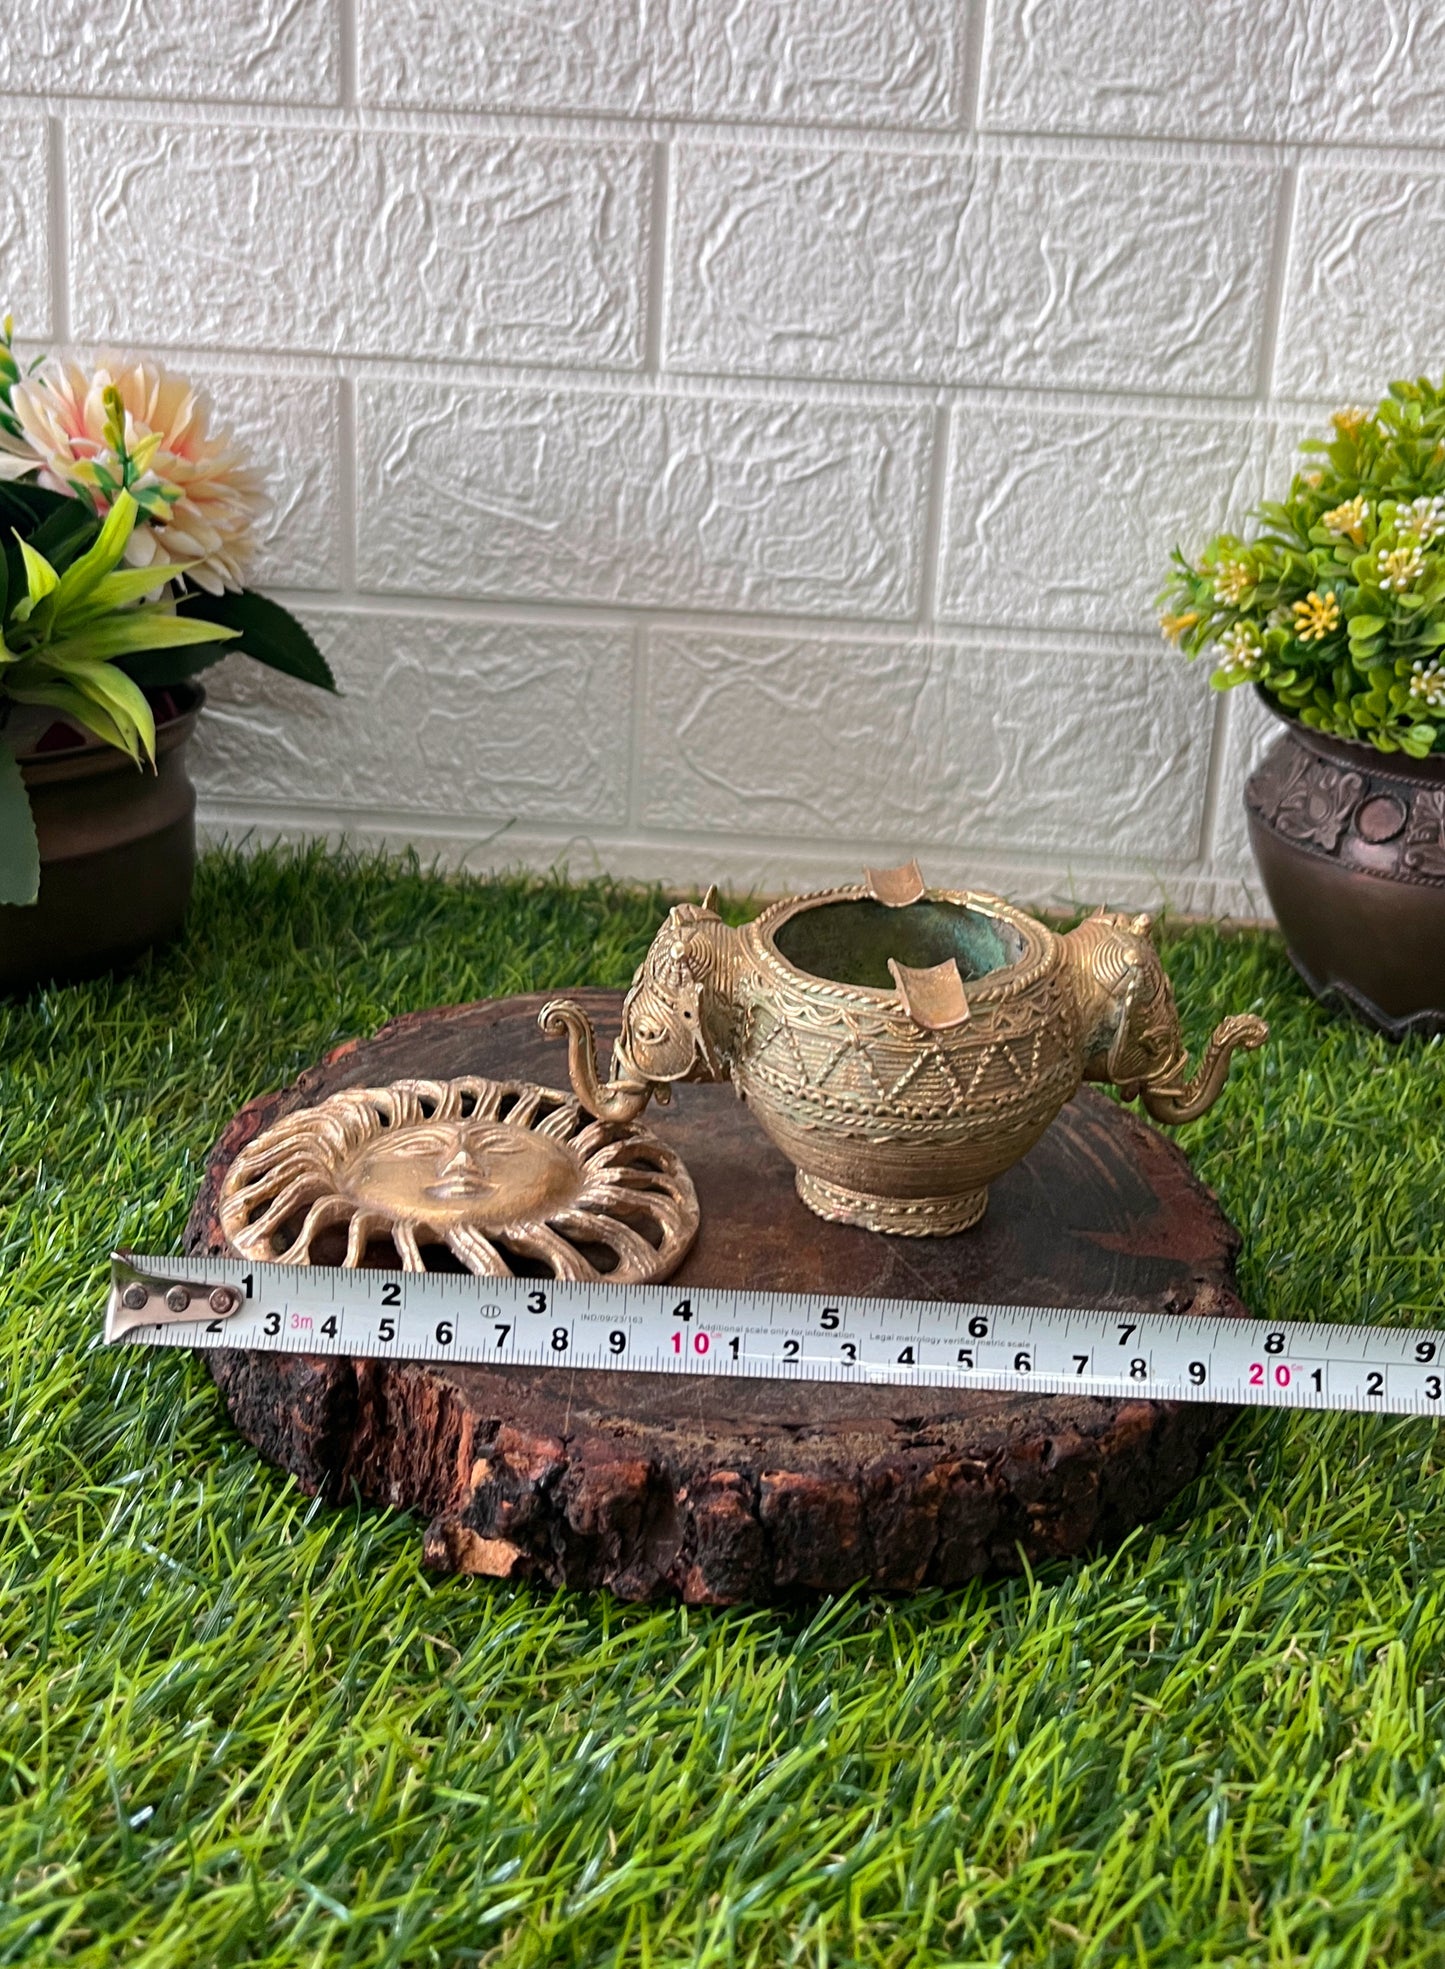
[1146, 1042]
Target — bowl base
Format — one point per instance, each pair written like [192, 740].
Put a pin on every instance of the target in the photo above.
[898, 1216]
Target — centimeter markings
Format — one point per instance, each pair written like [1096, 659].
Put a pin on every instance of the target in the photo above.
[720, 1330]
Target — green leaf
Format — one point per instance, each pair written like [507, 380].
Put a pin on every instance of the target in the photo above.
[268, 632]
[155, 669]
[1364, 626]
[24, 507]
[103, 684]
[19, 849]
[85, 575]
[119, 590]
[40, 577]
[82, 711]
[66, 534]
[122, 634]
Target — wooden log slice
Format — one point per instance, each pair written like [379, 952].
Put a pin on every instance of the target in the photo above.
[722, 1490]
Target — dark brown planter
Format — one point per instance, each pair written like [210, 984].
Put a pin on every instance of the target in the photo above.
[1351, 844]
[117, 856]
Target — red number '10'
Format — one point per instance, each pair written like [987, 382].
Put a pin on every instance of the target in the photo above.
[700, 1343]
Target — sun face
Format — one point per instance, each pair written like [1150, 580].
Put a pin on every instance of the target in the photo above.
[491, 1171]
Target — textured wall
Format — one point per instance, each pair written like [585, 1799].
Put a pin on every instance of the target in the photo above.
[722, 440]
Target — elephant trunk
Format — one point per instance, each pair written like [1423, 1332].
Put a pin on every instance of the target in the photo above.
[1242, 1033]
[616, 1100]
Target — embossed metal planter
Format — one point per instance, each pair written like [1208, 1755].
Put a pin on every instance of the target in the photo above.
[902, 1045]
[117, 854]
[1350, 843]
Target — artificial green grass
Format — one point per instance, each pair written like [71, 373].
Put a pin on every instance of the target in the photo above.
[237, 1727]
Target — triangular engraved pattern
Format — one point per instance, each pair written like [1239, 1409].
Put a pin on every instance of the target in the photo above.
[979, 1071]
[783, 1032]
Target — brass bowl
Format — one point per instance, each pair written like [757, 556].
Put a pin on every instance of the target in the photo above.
[902, 1045]
[890, 1123]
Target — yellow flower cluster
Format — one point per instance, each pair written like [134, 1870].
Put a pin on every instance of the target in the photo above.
[1174, 626]
[1232, 582]
[1316, 616]
[1348, 520]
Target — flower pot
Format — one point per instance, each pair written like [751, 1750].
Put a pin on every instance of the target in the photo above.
[1350, 842]
[117, 854]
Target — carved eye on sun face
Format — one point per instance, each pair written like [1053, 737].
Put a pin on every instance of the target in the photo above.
[489, 1174]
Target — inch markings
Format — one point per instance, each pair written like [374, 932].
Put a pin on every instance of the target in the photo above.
[673, 1329]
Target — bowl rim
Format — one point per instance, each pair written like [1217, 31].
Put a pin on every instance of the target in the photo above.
[1041, 952]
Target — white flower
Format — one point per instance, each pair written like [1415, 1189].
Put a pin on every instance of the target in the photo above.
[201, 500]
[1239, 650]
[1423, 518]
[1400, 567]
[1428, 684]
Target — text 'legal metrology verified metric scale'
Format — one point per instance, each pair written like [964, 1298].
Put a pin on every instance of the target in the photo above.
[716, 1330]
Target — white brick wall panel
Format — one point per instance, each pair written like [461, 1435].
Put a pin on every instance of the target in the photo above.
[647, 501]
[1067, 519]
[487, 721]
[894, 62]
[739, 863]
[524, 249]
[288, 427]
[966, 746]
[1106, 272]
[1313, 71]
[231, 50]
[1363, 302]
[1251, 731]
[24, 243]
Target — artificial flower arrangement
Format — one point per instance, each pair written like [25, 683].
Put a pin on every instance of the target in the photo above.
[1335, 607]
[127, 523]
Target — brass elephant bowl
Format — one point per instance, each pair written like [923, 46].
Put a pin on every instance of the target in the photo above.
[903, 1046]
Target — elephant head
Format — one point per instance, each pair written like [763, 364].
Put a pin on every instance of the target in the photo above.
[676, 1018]
[1129, 1027]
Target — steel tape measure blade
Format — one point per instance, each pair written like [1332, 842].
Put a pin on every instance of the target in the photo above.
[717, 1330]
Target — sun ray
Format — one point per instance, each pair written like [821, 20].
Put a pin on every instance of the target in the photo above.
[365, 1225]
[326, 1210]
[636, 1258]
[301, 1190]
[477, 1253]
[596, 1135]
[403, 1236]
[542, 1242]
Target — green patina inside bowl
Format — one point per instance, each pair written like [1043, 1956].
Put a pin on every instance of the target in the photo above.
[851, 942]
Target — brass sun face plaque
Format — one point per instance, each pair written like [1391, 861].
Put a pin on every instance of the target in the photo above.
[491, 1171]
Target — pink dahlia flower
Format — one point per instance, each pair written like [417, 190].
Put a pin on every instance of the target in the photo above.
[199, 499]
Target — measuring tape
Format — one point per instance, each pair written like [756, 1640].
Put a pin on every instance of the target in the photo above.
[720, 1330]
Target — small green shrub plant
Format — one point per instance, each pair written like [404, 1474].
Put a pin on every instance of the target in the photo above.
[1335, 607]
